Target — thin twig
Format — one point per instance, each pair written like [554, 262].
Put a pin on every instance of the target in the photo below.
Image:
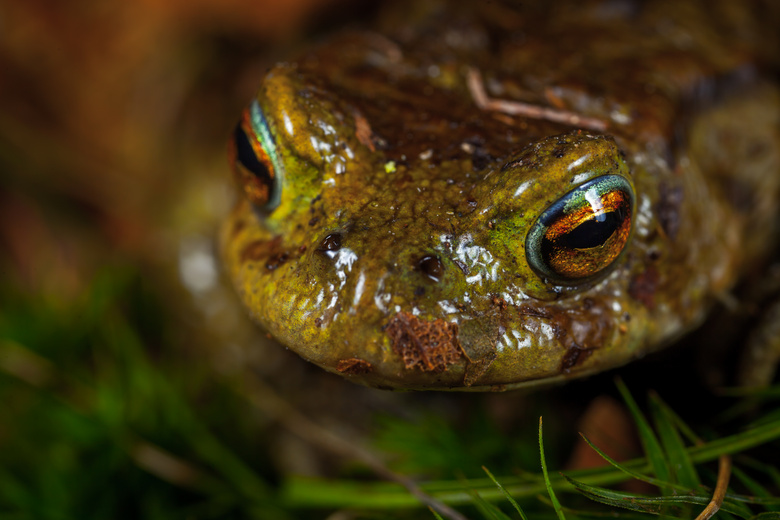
[724, 473]
[266, 399]
[518, 108]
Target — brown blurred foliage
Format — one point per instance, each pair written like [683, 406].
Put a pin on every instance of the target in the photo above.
[106, 105]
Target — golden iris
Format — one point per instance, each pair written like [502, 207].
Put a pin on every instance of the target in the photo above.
[581, 234]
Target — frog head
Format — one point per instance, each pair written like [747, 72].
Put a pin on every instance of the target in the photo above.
[430, 267]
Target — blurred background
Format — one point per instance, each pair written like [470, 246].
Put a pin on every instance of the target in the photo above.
[106, 105]
[131, 384]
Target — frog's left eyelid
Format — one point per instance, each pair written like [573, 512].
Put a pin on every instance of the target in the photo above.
[263, 134]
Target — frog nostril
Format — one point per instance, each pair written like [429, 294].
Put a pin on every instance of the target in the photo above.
[330, 243]
[431, 266]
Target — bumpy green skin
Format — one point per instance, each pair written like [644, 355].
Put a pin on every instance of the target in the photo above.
[384, 145]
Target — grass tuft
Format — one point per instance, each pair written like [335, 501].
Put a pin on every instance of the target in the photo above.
[100, 390]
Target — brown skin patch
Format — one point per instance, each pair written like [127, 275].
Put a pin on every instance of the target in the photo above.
[644, 286]
[254, 251]
[499, 302]
[261, 249]
[354, 366]
[595, 325]
[575, 354]
[276, 259]
[593, 330]
[430, 346]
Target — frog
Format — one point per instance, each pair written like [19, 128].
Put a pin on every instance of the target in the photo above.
[488, 196]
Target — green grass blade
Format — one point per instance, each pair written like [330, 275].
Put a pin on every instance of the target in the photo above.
[676, 452]
[751, 499]
[771, 472]
[488, 510]
[548, 485]
[754, 487]
[643, 503]
[749, 399]
[614, 498]
[630, 472]
[681, 426]
[650, 444]
[506, 494]
[736, 443]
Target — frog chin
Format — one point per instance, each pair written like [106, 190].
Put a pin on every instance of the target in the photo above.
[491, 351]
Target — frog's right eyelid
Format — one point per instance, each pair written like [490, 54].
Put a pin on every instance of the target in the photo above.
[256, 152]
[260, 127]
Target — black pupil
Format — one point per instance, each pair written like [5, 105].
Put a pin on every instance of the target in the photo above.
[592, 233]
[246, 155]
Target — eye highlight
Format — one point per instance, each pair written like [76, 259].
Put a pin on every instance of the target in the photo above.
[581, 234]
[254, 159]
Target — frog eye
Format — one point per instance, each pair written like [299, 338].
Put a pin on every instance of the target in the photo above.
[581, 234]
[254, 159]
